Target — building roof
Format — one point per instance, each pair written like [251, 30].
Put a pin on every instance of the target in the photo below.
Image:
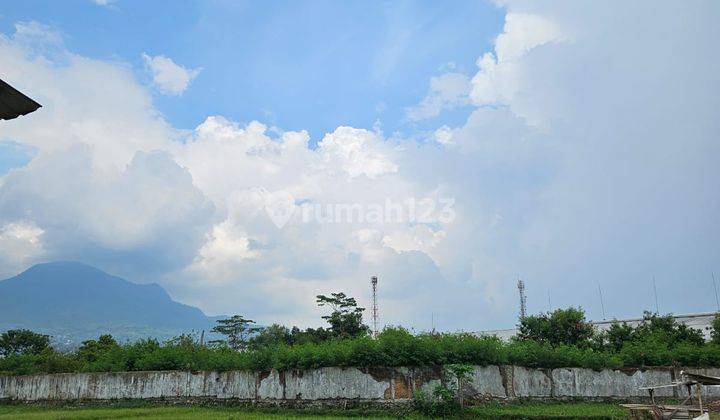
[13, 103]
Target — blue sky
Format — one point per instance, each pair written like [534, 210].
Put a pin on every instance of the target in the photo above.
[297, 65]
[577, 142]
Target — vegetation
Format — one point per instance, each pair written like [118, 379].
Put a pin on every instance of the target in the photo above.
[447, 398]
[22, 342]
[715, 334]
[494, 410]
[566, 326]
[237, 330]
[346, 318]
[562, 338]
[165, 412]
[554, 410]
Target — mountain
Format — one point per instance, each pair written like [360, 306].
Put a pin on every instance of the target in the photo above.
[74, 302]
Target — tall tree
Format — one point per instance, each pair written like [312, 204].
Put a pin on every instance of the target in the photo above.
[271, 336]
[666, 329]
[22, 342]
[237, 329]
[346, 317]
[562, 326]
[92, 350]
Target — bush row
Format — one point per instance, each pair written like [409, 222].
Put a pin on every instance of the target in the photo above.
[394, 347]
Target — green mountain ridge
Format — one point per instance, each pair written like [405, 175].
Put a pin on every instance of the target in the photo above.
[73, 302]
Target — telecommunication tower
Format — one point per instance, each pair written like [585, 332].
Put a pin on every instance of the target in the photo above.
[523, 298]
[374, 281]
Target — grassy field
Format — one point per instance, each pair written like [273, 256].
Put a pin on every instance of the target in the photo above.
[146, 413]
[539, 410]
[490, 411]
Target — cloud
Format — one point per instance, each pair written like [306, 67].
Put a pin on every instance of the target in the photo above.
[447, 91]
[85, 101]
[444, 135]
[169, 77]
[622, 132]
[114, 185]
[586, 158]
[498, 80]
[357, 151]
[152, 205]
[35, 32]
[20, 245]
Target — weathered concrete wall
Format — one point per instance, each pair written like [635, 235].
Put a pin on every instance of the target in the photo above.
[531, 382]
[577, 382]
[325, 384]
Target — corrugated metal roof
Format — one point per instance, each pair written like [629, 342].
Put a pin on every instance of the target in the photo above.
[13, 103]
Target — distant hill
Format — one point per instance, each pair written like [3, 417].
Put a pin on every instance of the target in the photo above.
[74, 302]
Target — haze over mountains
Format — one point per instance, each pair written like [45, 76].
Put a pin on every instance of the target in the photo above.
[74, 302]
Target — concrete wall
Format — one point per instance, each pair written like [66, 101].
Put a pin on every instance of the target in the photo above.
[373, 384]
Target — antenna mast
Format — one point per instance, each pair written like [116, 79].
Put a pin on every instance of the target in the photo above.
[657, 308]
[374, 281]
[523, 298]
[717, 301]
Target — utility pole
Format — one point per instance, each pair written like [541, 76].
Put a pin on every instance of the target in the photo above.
[602, 304]
[374, 282]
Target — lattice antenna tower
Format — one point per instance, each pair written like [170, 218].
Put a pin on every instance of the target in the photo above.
[374, 282]
[523, 298]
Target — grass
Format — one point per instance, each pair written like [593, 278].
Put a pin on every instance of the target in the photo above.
[492, 410]
[555, 410]
[182, 413]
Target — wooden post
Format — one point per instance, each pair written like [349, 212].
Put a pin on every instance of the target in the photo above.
[699, 396]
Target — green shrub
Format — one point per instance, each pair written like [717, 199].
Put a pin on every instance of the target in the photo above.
[658, 342]
[441, 403]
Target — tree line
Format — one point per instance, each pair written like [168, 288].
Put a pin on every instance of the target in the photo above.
[562, 338]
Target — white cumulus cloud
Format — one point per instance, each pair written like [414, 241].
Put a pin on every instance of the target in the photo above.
[170, 78]
[498, 80]
[586, 158]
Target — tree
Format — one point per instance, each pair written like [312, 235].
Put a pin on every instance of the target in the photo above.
[310, 335]
[618, 334]
[23, 342]
[237, 330]
[92, 350]
[271, 336]
[346, 317]
[715, 333]
[186, 340]
[563, 326]
[667, 330]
